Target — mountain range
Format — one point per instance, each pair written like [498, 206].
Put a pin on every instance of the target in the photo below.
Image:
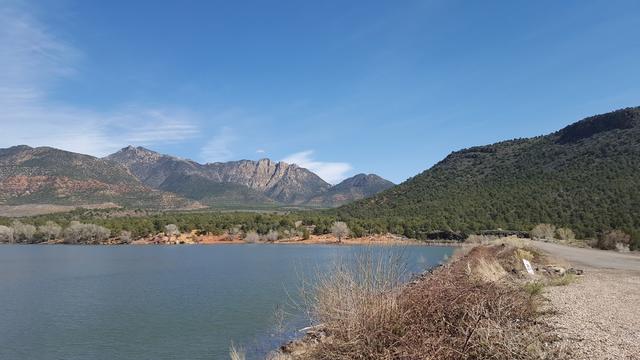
[135, 176]
[585, 176]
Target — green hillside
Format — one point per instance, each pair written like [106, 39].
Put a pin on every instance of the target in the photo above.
[585, 176]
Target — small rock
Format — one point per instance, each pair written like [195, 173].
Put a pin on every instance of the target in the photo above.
[575, 271]
[555, 269]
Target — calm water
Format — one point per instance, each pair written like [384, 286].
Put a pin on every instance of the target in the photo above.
[156, 302]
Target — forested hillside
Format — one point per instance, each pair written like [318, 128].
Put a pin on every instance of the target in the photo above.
[585, 176]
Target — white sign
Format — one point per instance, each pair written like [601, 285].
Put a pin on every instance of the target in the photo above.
[527, 266]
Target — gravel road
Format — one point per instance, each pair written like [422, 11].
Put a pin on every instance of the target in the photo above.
[598, 316]
[591, 257]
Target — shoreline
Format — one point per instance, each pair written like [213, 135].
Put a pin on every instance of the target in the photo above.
[278, 243]
[190, 239]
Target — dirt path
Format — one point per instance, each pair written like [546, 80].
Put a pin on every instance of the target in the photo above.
[591, 257]
[599, 315]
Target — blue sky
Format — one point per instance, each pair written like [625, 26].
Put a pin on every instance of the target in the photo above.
[341, 87]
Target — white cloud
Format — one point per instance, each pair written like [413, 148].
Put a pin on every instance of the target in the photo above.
[260, 151]
[219, 147]
[152, 126]
[32, 59]
[331, 172]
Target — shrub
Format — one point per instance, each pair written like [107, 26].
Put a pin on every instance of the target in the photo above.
[339, 229]
[272, 235]
[565, 234]
[125, 236]
[233, 233]
[563, 280]
[635, 241]
[478, 239]
[358, 231]
[489, 271]
[305, 234]
[613, 239]
[85, 233]
[534, 288]
[543, 231]
[6, 234]
[171, 230]
[50, 231]
[252, 237]
[358, 296]
[23, 232]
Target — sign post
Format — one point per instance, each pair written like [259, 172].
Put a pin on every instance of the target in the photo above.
[527, 265]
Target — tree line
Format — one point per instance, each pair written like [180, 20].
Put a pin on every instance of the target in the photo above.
[91, 226]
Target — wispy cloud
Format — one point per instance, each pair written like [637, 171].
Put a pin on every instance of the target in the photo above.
[219, 147]
[331, 172]
[157, 126]
[32, 60]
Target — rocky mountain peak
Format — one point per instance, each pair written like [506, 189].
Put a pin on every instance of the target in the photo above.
[53, 173]
[365, 180]
[356, 187]
[134, 155]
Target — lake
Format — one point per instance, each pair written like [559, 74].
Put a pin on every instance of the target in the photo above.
[159, 302]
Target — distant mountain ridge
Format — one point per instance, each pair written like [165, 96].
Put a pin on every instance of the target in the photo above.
[585, 176]
[52, 176]
[264, 181]
[138, 177]
[357, 187]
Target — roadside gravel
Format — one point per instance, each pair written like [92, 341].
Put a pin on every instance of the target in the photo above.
[598, 317]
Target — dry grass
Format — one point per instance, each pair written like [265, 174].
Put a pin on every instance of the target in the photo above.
[534, 288]
[488, 270]
[359, 297]
[512, 241]
[367, 314]
[276, 355]
[479, 239]
[563, 280]
[523, 254]
[236, 353]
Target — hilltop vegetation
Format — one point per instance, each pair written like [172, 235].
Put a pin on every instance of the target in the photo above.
[584, 177]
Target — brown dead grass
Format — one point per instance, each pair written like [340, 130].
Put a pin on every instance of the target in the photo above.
[464, 310]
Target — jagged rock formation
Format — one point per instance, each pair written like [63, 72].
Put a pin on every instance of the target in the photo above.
[135, 176]
[279, 181]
